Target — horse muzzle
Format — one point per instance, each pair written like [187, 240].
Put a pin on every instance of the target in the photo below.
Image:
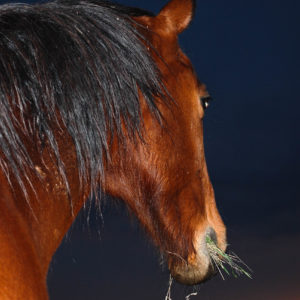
[199, 267]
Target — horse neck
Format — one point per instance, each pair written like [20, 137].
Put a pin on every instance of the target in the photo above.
[40, 216]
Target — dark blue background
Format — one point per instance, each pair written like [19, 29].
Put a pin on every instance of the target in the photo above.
[247, 53]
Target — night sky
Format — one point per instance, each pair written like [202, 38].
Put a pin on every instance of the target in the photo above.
[247, 53]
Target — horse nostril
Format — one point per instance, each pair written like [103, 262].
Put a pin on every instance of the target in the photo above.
[211, 234]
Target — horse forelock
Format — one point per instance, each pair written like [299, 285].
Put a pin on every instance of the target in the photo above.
[80, 64]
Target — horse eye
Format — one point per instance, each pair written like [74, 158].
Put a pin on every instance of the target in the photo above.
[205, 101]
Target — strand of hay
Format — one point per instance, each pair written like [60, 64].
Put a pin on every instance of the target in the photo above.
[190, 295]
[168, 296]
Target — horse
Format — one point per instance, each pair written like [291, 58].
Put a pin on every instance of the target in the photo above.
[99, 96]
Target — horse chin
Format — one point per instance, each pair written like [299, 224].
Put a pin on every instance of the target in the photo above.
[197, 272]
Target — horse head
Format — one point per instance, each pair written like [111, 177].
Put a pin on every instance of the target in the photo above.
[164, 178]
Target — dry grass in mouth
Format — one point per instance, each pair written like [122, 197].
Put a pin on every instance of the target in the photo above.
[220, 259]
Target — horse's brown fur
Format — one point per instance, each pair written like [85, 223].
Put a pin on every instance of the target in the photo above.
[163, 179]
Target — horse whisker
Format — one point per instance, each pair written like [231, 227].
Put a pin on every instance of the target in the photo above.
[177, 255]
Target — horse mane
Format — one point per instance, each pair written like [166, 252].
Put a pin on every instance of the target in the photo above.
[77, 63]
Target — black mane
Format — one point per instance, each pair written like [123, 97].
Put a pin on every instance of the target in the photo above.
[84, 59]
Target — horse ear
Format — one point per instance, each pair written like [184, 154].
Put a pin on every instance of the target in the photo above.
[178, 14]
